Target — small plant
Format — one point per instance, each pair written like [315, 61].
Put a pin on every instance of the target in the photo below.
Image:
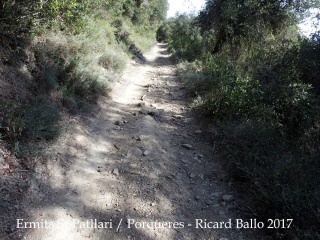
[114, 61]
[40, 120]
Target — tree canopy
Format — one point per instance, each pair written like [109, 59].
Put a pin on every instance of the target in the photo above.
[231, 20]
[17, 17]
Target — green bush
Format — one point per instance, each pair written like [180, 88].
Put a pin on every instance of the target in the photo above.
[163, 32]
[35, 120]
[113, 61]
[283, 178]
[184, 37]
[61, 56]
[40, 121]
[193, 77]
[68, 64]
[265, 101]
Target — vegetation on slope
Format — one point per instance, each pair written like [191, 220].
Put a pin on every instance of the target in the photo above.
[60, 56]
[258, 79]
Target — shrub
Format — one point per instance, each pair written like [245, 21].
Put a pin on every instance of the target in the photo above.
[62, 55]
[164, 32]
[184, 37]
[30, 121]
[282, 179]
[114, 61]
[265, 102]
[40, 120]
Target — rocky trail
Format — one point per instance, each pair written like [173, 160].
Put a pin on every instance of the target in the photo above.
[137, 166]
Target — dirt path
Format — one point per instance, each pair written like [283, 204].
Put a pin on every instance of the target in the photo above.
[126, 163]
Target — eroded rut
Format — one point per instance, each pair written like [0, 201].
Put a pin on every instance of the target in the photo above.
[136, 167]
